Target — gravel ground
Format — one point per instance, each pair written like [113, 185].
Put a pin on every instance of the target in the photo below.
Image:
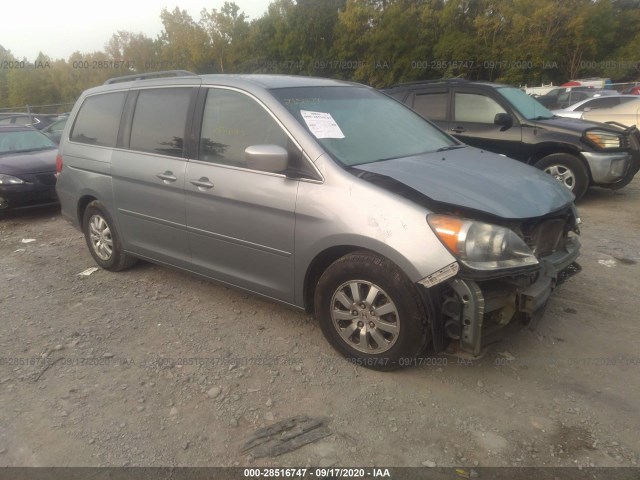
[154, 367]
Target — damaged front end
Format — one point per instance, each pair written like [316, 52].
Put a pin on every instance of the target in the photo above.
[502, 280]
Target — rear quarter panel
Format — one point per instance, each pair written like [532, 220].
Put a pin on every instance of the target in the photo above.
[86, 172]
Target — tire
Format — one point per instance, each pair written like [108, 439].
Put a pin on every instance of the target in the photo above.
[393, 321]
[103, 239]
[567, 169]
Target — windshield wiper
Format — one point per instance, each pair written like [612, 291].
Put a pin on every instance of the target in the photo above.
[450, 147]
[540, 117]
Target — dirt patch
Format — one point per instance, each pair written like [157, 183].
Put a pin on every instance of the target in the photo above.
[571, 440]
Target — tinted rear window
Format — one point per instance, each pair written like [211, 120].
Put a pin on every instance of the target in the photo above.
[432, 105]
[159, 121]
[98, 120]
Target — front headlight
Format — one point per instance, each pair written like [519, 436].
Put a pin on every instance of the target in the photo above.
[9, 180]
[481, 246]
[603, 140]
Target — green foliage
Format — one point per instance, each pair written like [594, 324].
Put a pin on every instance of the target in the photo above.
[227, 31]
[136, 52]
[184, 43]
[378, 42]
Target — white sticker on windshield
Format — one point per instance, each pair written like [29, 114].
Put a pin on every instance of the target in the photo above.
[321, 124]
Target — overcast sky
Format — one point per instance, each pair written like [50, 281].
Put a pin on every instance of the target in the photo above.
[58, 29]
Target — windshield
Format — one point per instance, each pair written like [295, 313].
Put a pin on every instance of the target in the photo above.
[358, 125]
[528, 107]
[24, 141]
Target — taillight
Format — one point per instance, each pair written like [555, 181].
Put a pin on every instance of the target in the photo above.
[58, 163]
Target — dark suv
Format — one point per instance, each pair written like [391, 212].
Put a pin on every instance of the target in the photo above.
[505, 120]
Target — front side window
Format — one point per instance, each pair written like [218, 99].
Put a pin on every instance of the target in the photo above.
[475, 108]
[231, 122]
[358, 125]
[159, 121]
[98, 120]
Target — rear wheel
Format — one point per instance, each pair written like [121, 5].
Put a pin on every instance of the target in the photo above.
[370, 312]
[568, 170]
[103, 239]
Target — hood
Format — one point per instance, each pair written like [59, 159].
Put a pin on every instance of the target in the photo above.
[474, 179]
[574, 125]
[28, 162]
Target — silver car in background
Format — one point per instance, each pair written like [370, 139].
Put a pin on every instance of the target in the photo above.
[626, 114]
[577, 110]
[325, 195]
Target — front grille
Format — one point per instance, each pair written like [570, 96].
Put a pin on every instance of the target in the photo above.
[48, 179]
[633, 139]
[546, 237]
[625, 142]
[630, 139]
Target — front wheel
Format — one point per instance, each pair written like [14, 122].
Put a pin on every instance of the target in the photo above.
[103, 239]
[568, 170]
[370, 312]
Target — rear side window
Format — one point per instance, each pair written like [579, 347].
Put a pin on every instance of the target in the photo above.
[98, 120]
[159, 121]
[431, 105]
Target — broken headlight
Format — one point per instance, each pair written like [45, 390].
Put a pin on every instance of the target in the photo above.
[481, 246]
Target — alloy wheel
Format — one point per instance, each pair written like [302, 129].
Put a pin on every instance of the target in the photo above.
[365, 317]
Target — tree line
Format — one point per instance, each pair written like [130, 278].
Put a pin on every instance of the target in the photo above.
[377, 42]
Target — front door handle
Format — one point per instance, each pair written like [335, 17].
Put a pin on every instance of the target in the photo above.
[458, 129]
[202, 183]
[167, 177]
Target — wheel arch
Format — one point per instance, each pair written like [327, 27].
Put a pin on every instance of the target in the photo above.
[83, 202]
[317, 267]
[546, 149]
[323, 260]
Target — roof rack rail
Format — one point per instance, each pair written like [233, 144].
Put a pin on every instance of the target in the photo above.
[439, 80]
[148, 75]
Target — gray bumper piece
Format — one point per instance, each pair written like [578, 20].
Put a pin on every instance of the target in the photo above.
[555, 269]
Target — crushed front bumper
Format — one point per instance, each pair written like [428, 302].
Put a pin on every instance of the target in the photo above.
[474, 312]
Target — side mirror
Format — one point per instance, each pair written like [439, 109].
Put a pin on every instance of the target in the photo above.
[503, 120]
[267, 158]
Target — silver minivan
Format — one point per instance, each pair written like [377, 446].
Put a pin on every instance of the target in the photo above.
[325, 195]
